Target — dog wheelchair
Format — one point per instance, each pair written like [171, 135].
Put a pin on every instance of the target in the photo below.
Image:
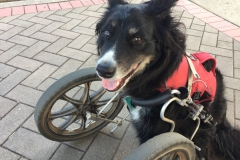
[76, 106]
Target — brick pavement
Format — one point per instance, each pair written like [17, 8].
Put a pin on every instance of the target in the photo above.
[36, 49]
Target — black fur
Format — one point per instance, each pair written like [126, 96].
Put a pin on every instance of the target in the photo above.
[166, 43]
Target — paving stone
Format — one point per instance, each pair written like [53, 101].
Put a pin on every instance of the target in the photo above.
[39, 20]
[237, 123]
[209, 39]
[236, 45]
[63, 12]
[93, 14]
[198, 21]
[224, 37]
[124, 112]
[66, 152]
[34, 28]
[51, 27]
[6, 106]
[27, 64]
[45, 37]
[197, 27]
[66, 34]
[4, 45]
[83, 30]
[8, 155]
[70, 66]
[237, 59]
[1, 32]
[21, 23]
[75, 54]
[193, 42]
[35, 49]
[95, 7]
[82, 144]
[194, 32]
[80, 41]
[93, 40]
[130, 141]
[102, 148]
[71, 24]
[25, 95]
[45, 14]
[10, 33]
[232, 83]
[13, 120]
[5, 27]
[237, 73]
[5, 70]
[229, 94]
[23, 40]
[79, 10]
[59, 18]
[22, 158]
[76, 16]
[91, 62]
[187, 15]
[51, 58]
[39, 75]
[237, 102]
[58, 45]
[28, 16]
[225, 65]
[9, 18]
[209, 28]
[12, 80]
[187, 22]
[12, 52]
[102, 10]
[217, 51]
[24, 141]
[89, 21]
[89, 48]
[30, 124]
[223, 44]
[47, 83]
[230, 112]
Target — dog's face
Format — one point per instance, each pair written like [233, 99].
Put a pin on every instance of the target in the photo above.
[126, 43]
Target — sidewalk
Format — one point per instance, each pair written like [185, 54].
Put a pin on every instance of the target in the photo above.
[36, 49]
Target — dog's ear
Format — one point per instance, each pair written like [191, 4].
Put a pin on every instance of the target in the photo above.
[160, 8]
[113, 3]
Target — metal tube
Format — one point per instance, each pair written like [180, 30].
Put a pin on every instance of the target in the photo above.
[107, 104]
[198, 124]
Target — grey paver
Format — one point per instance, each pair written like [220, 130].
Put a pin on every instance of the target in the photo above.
[58, 45]
[187, 21]
[9, 18]
[21, 23]
[63, 12]
[198, 21]
[28, 16]
[102, 148]
[217, 51]
[95, 7]
[5, 70]
[226, 45]
[51, 27]
[27, 64]
[70, 66]
[80, 41]
[91, 13]
[4, 45]
[13, 120]
[84, 30]
[210, 29]
[6, 106]
[12, 52]
[237, 59]
[232, 83]
[193, 42]
[230, 112]
[25, 95]
[40, 20]
[229, 93]
[187, 15]
[10, 33]
[224, 37]
[35, 49]
[5, 27]
[76, 16]
[45, 14]
[43, 148]
[209, 39]
[91, 62]
[23, 40]
[65, 152]
[59, 18]
[89, 21]
[236, 45]
[66, 34]
[12, 80]
[237, 73]
[45, 36]
[51, 58]
[29, 31]
[237, 101]
[47, 83]
[71, 24]
[30, 124]
[79, 10]
[101, 10]
[8, 155]
[74, 54]
[39, 75]
[93, 40]
[89, 48]
[225, 64]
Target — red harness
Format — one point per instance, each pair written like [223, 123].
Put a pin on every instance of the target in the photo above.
[204, 87]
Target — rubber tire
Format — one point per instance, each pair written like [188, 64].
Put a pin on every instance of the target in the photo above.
[62, 85]
[162, 144]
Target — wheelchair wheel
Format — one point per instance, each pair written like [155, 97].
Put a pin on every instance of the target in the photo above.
[61, 112]
[167, 146]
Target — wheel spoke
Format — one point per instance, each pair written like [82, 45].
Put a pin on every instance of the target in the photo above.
[71, 100]
[97, 95]
[67, 123]
[85, 97]
[103, 102]
[64, 112]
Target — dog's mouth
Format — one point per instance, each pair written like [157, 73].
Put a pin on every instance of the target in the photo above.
[114, 85]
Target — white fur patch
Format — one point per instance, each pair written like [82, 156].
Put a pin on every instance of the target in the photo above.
[132, 30]
[135, 113]
[108, 57]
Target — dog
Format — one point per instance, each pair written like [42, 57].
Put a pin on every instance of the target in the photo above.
[140, 46]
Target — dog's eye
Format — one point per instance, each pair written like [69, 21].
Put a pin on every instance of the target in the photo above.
[137, 40]
[106, 33]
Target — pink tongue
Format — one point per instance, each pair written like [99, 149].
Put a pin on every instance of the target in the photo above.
[110, 84]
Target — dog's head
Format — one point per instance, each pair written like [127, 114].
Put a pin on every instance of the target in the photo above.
[131, 37]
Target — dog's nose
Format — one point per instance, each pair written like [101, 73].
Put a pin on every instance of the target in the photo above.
[106, 71]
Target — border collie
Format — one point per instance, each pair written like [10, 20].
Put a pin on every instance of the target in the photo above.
[139, 47]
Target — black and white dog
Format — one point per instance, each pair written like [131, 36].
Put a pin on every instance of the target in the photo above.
[140, 47]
